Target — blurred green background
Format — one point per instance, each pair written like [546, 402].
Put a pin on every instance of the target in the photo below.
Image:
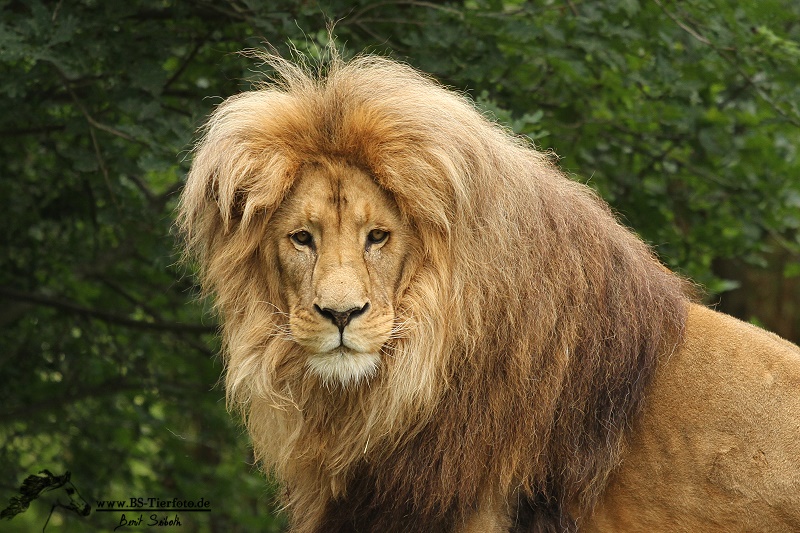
[683, 115]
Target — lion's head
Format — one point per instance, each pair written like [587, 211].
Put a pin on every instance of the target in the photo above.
[416, 304]
[341, 244]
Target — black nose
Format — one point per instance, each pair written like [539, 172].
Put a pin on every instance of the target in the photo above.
[341, 318]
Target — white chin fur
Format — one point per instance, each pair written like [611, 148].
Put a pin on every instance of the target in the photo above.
[345, 367]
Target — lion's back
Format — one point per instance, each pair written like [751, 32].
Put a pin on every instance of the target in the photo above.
[718, 444]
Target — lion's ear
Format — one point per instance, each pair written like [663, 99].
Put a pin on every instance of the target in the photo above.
[230, 202]
[243, 163]
[229, 205]
[235, 180]
[212, 202]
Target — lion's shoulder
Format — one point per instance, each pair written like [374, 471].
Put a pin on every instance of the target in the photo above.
[719, 436]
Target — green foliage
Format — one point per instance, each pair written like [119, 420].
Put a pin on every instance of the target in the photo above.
[683, 115]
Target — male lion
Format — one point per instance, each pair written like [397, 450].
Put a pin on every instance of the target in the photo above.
[429, 328]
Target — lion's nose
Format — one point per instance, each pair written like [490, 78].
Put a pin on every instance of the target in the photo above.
[341, 318]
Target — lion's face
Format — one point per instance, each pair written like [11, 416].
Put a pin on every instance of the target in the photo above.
[341, 245]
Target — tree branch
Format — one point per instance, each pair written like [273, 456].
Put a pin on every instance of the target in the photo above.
[104, 316]
[16, 132]
[110, 387]
[683, 26]
[732, 60]
[189, 57]
[92, 122]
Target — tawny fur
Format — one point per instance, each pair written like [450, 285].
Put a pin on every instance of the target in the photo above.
[532, 321]
[717, 446]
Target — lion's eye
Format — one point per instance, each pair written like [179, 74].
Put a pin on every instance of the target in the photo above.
[302, 237]
[377, 236]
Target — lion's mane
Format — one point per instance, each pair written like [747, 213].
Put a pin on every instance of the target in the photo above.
[532, 325]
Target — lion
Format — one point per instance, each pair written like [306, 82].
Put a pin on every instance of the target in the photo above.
[428, 327]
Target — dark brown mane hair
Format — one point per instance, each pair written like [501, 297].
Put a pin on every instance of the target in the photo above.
[534, 320]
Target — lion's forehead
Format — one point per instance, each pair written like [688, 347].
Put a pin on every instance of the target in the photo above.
[340, 197]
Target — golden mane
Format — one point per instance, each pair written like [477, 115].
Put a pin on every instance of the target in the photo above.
[533, 323]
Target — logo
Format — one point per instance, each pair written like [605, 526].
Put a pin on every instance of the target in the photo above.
[151, 511]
